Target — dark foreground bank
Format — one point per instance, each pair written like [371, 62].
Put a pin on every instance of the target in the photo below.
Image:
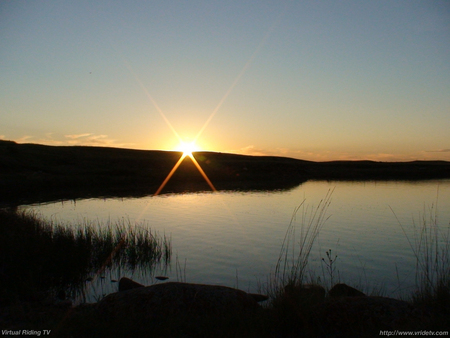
[32, 173]
[42, 266]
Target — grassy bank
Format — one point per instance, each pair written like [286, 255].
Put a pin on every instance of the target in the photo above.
[430, 245]
[42, 259]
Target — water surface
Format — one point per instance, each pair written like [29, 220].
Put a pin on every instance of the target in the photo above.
[234, 238]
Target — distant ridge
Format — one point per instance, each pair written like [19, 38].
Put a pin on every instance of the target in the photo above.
[32, 172]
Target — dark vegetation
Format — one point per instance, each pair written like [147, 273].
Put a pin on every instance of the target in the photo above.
[41, 261]
[32, 173]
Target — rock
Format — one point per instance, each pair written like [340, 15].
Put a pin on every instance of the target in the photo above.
[343, 290]
[128, 284]
[173, 299]
[258, 297]
[161, 277]
[307, 293]
[362, 315]
[292, 308]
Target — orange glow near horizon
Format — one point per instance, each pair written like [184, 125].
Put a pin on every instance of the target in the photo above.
[185, 147]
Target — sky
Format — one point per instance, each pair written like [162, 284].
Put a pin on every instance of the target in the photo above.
[314, 80]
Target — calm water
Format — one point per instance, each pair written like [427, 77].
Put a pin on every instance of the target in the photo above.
[234, 238]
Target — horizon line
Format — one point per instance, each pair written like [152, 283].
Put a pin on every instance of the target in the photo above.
[219, 152]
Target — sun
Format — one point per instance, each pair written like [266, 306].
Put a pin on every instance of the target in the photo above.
[187, 148]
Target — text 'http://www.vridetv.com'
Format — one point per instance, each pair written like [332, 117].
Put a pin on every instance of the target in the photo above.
[412, 333]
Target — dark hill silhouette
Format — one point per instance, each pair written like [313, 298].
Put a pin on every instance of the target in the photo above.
[34, 173]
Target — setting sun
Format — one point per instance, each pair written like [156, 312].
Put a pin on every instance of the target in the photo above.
[187, 148]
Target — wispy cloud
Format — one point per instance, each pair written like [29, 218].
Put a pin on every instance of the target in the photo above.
[284, 152]
[24, 139]
[327, 155]
[90, 140]
[250, 150]
[82, 139]
[77, 136]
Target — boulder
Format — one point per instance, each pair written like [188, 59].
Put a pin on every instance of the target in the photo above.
[306, 293]
[128, 284]
[258, 297]
[173, 299]
[361, 315]
[343, 290]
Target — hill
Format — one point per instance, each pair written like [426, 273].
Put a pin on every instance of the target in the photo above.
[34, 173]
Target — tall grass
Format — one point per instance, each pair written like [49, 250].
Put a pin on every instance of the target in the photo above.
[40, 256]
[430, 244]
[304, 227]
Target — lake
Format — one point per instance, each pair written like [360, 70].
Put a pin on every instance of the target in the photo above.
[234, 238]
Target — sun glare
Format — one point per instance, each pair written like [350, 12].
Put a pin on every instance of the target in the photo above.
[187, 148]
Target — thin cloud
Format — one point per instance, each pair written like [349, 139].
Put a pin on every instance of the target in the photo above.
[438, 151]
[283, 152]
[77, 136]
[250, 150]
[326, 155]
[24, 139]
[84, 139]
[88, 139]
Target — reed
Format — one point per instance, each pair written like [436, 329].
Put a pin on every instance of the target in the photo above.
[42, 256]
[330, 266]
[304, 227]
[430, 245]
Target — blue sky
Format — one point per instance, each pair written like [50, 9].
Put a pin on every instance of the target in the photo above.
[317, 80]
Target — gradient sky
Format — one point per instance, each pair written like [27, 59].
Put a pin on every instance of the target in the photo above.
[316, 80]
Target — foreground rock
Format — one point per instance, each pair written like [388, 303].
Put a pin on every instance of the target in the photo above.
[345, 312]
[173, 298]
[365, 314]
[302, 295]
[128, 284]
[343, 290]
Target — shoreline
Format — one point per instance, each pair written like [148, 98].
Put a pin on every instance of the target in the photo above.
[32, 173]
